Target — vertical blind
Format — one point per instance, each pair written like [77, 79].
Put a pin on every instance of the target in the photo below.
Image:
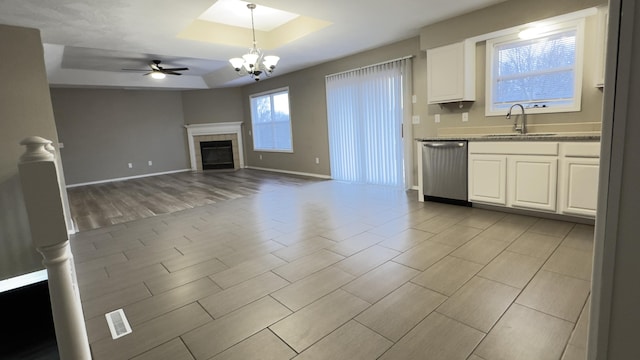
[365, 117]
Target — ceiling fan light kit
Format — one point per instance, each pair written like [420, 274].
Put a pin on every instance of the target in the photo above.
[158, 75]
[254, 63]
[158, 72]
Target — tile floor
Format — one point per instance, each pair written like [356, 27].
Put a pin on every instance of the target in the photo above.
[328, 270]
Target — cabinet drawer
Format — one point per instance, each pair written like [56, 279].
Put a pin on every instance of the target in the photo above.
[514, 148]
[580, 149]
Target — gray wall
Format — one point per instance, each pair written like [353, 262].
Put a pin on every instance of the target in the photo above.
[103, 130]
[502, 16]
[307, 87]
[25, 110]
[307, 101]
[212, 106]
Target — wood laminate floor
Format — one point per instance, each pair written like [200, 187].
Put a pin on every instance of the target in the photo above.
[310, 269]
[99, 205]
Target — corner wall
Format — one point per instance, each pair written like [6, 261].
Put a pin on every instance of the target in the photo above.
[25, 110]
[104, 130]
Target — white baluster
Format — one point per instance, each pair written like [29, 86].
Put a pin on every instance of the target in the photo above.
[41, 191]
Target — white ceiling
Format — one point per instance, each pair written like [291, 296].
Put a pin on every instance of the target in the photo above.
[87, 43]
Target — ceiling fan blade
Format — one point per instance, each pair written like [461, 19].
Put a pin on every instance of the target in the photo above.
[150, 72]
[175, 69]
[155, 66]
[171, 72]
[134, 69]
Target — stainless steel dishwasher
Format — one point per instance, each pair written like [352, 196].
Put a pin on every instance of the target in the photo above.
[444, 171]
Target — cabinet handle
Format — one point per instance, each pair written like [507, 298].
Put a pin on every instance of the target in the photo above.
[445, 145]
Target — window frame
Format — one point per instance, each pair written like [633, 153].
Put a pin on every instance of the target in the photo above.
[512, 38]
[270, 93]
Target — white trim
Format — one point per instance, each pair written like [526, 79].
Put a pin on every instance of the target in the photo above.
[126, 178]
[580, 14]
[223, 128]
[550, 30]
[23, 280]
[320, 176]
[415, 187]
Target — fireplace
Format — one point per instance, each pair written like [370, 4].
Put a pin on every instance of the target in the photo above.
[216, 154]
[197, 133]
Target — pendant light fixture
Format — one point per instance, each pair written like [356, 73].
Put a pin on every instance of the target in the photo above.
[254, 63]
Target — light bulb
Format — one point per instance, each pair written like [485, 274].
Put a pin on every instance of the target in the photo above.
[158, 75]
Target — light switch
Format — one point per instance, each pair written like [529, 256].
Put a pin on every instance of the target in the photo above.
[437, 118]
[465, 116]
[414, 99]
[415, 119]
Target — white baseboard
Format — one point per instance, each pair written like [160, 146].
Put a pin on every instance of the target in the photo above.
[320, 176]
[126, 178]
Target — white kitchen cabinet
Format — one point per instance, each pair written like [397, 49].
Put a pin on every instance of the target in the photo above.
[556, 177]
[488, 178]
[451, 73]
[533, 182]
[579, 169]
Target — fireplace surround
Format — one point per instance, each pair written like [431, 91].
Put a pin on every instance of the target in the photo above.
[215, 132]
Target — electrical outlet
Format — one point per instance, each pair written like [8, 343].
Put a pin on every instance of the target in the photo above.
[150, 162]
[130, 165]
[415, 119]
[317, 160]
[465, 116]
[437, 118]
[414, 99]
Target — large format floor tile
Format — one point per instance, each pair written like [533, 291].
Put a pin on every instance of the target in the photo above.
[351, 341]
[313, 322]
[479, 303]
[526, 334]
[436, 338]
[401, 310]
[278, 267]
[219, 335]
[447, 275]
[556, 294]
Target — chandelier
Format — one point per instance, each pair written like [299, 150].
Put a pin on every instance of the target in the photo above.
[254, 63]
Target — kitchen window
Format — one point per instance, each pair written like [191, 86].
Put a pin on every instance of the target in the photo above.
[540, 68]
[271, 122]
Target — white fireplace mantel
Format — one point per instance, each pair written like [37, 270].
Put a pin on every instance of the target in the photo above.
[214, 129]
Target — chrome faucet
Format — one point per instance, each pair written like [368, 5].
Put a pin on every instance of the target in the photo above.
[522, 129]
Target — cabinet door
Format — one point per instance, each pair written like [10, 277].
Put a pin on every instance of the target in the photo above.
[533, 182]
[579, 186]
[445, 73]
[487, 179]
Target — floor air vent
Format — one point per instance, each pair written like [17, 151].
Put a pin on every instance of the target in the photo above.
[118, 324]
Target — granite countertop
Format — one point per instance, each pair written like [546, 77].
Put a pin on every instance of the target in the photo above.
[518, 137]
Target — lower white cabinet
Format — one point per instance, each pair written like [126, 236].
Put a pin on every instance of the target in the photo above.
[543, 176]
[533, 182]
[488, 178]
[579, 186]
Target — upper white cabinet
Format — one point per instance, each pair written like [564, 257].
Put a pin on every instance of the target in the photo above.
[451, 73]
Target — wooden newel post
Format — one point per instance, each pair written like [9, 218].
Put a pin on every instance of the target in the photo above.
[41, 190]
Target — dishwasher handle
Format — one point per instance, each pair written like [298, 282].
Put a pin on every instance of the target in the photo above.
[444, 144]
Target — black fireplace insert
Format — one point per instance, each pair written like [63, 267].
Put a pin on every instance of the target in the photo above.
[217, 154]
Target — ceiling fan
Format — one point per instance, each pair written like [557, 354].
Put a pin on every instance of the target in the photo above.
[159, 72]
